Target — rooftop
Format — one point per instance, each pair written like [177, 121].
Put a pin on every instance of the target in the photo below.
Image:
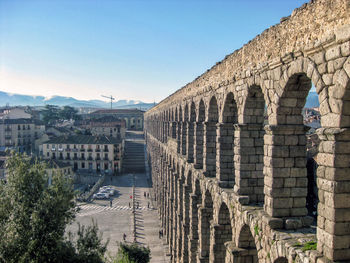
[84, 139]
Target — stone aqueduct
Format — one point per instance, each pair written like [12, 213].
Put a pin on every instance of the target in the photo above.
[231, 184]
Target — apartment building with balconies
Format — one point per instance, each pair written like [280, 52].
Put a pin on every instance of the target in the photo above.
[87, 153]
[20, 134]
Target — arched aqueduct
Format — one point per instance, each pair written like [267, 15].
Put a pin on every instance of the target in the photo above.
[228, 150]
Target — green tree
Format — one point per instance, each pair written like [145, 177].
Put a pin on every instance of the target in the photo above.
[68, 113]
[34, 216]
[50, 114]
[133, 253]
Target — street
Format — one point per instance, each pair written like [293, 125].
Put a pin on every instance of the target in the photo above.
[116, 220]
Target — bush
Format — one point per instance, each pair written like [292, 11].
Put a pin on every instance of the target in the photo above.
[133, 253]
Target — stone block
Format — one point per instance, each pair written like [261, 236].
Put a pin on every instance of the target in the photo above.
[333, 53]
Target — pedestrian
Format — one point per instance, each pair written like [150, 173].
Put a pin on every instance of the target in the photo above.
[124, 237]
[147, 195]
[144, 194]
[137, 205]
[129, 205]
[110, 203]
[160, 234]
[148, 205]
[111, 179]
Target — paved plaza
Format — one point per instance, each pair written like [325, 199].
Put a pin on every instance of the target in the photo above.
[116, 220]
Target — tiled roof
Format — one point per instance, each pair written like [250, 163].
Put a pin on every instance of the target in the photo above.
[84, 139]
[118, 111]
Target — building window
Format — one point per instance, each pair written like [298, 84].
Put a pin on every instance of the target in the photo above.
[82, 165]
[47, 146]
[48, 154]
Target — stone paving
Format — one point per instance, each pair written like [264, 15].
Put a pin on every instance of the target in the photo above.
[113, 221]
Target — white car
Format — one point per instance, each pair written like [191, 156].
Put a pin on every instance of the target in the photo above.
[107, 189]
[100, 196]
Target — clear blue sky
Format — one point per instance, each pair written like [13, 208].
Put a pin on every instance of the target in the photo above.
[130, 49]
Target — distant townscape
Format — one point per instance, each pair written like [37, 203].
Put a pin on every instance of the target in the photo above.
[78, 143]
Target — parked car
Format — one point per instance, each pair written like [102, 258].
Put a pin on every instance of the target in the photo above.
[100, 196]
[107, 189]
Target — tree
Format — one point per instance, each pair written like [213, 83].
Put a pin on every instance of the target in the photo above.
[68, 113]
[133, 253]
[50, 114]
[34, 215]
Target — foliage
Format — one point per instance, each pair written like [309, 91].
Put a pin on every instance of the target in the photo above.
[256, 230]
[52, 113]
[310, 245]
[68, 113]
[34, 215]
[133, 253]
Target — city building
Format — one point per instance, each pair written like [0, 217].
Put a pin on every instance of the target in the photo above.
[133, 117]
[104, 126]
[108, 126]
[14, 113]
[20, 134]
[86, 153]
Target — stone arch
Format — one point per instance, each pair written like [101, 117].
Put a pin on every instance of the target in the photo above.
[285, 155]
[205, 221]
[250, 146]
[199, 133]
[333, 159]
[187, 187]
[210, 131]
[195, 201]
[247, 251]
[184, 130]
[221, 232]
[179, 129]
[190, 136]
[225, 143]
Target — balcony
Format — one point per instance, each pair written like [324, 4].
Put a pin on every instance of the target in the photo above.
[89, 158]
[98, 158]
[82, 158]
[53, 149]
[8, 129]
[60, 149]
[8, 137]
[105, 158]
[68, 158]
[68, 149]
[82, 149]
[89, 150]
[105, 150]
[75, 150]
[75, 158]
[97, 150]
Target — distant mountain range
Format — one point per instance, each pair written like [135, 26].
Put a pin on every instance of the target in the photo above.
[28, 100]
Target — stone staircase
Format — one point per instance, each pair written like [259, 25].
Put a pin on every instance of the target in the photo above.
[134, 155]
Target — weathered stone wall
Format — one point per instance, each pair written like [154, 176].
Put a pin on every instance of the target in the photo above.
[231, 184]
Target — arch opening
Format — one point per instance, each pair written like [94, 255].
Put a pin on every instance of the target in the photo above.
[210, 139]
[199, 133]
